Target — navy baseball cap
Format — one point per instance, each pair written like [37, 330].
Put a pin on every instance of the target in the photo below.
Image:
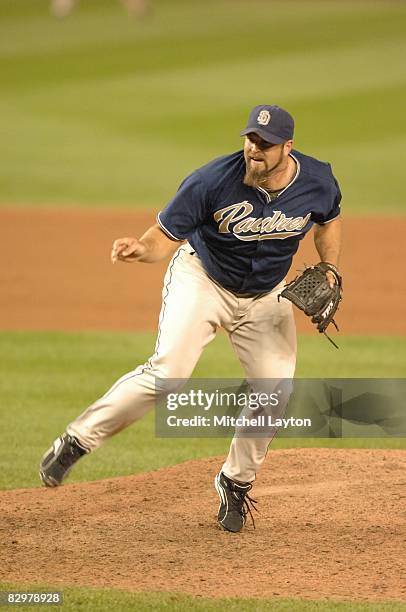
[271, 123]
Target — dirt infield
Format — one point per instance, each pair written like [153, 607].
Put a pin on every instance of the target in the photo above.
[57, 273]
[325, 530]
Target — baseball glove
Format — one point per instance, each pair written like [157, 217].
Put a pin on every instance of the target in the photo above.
[311, 292]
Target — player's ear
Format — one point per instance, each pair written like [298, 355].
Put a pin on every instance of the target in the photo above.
[287, 147]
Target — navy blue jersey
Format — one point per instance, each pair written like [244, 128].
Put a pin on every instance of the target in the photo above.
[246, 241]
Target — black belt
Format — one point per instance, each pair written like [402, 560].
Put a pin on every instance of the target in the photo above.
[248, 295]
[239, 295]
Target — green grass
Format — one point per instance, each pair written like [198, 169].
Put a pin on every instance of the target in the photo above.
[100, 109]
[104, 600]
[48, 378]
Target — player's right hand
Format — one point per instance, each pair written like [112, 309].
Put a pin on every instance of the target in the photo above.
[127, 250]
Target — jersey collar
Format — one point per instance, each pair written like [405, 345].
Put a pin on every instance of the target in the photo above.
[264, 191]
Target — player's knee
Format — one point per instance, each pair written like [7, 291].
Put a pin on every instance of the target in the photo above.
[171, 369]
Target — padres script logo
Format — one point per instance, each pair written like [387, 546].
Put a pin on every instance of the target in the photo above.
[236, 219]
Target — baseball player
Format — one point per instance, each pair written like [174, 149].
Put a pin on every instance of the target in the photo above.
[232, 228]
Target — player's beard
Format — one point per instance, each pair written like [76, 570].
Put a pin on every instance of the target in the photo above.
[259, 178]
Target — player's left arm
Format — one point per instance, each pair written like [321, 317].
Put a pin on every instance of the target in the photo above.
[327, 240]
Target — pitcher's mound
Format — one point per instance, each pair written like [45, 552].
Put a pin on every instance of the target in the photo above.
[330, 526]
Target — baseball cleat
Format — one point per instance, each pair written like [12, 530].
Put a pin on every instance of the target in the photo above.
[59, 459]
[235, 503]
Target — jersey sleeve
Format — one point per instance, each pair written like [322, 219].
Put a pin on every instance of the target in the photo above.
[187, 210]
[332, 209]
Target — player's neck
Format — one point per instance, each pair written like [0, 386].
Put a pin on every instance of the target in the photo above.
[281, 177]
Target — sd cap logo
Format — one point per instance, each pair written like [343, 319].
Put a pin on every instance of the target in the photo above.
[264, 117]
